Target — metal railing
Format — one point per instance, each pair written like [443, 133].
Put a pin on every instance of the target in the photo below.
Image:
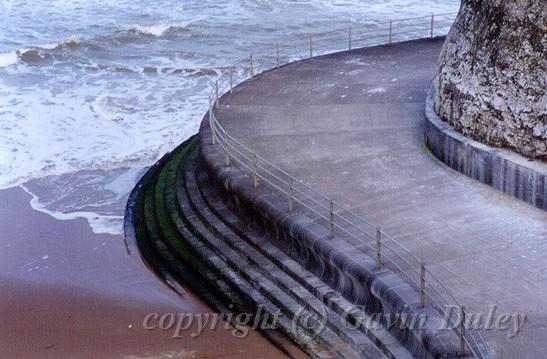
[365, 236]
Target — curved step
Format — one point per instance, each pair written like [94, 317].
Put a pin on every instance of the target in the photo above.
[180, 220]
[170, 250]
[308, 281]
[177, 257]
[294, 278]
[159, 237]
[275, 273]
[151, 248]
[258, 289]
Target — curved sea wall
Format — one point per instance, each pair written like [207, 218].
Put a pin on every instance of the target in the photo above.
[203, 215]
[491, 83]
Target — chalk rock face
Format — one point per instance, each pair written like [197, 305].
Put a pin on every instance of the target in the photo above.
[492, 74]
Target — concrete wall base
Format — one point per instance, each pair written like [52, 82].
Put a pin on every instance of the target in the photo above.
[502, 169]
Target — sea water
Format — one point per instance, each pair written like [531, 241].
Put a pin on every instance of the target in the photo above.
[92, 92]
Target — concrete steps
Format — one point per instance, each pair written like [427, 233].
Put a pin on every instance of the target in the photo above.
[174, 249]
[345, 319]
[172, 256]
[179, 260]
[188, 235]
[255, 284]
[305, 296]
[153, 250]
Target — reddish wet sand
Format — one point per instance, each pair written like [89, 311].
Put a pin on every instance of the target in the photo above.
[67, 292]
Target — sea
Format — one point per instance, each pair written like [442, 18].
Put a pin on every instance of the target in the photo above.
[93, 92]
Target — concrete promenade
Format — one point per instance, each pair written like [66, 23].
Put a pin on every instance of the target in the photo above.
[352, 126]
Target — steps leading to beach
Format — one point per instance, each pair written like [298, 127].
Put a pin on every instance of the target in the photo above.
[188, 234]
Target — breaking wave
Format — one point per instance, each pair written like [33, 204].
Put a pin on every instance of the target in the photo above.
[39, 52]
[157, 30]
[127, 35]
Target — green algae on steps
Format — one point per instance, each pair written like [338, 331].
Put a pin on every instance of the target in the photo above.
[179, 231]
[176, 249]
[167, 224]
[217, 292]
[161, 208]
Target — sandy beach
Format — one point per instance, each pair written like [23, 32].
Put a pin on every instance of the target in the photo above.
[67, 292]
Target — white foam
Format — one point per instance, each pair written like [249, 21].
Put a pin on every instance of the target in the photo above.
[90, 127]
[157, 30]
[100, 224]
[8, 59]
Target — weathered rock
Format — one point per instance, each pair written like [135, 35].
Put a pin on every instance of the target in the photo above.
[492, 74]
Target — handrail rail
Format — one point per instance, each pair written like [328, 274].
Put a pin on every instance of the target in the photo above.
[342, 221]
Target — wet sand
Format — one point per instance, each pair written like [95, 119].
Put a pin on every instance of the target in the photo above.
[67, 292]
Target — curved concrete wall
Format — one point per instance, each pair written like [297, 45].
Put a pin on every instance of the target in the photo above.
[506, 171]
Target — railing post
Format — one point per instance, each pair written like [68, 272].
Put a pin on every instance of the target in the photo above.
[462, 332]
[311, 46]
[255, 172]
[422, 285]
[251, 65]
[349, 38]
[217, 99]
[331, 217]
[290, 194]
[231, 79]
[276, 55]
[390, 31]
[432, 24]
[378, 248]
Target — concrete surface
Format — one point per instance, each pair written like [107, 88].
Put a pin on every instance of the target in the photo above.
[352, 126]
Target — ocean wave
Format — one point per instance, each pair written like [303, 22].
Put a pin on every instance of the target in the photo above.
[73, 43]
[30, 55]
[157, 30]
[39, 52]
